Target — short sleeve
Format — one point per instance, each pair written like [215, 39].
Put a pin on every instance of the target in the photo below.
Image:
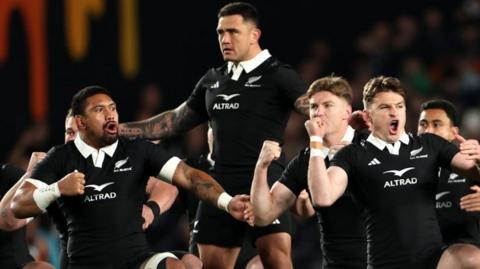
[294, 176]
[157, 159]
[344, 159]
[196, 100]
[49, 169]
[290, 83]
[446, 150]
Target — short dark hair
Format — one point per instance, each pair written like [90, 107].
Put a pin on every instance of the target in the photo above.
[333, 84]
[78, 100]
[381, 84]
[444, 105]
[246, 10]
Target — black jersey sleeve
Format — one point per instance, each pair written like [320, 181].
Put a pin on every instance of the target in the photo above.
[294, 176]
[155, 156]
[290, 83]
[344, 159]
[49, 169]
[446, 150]
[196, 100]
[9, 175]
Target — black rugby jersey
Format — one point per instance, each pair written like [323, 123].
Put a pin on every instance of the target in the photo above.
[457, 225]
[105, 224]
[398, 192]
[246, 112]
[343, 240]
[13, 245]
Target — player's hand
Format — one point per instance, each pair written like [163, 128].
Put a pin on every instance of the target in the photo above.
[471, 202]
[147, 215]
[470, 148]
[270, 151]
[315, 127]
[359, 121]
[238, 206]
[35, 158]
[72, 184]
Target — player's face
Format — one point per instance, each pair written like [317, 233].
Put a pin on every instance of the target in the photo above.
[436, 121]
[236, 38]
[333, 110]
[387, 114]
[71, 129]
[100, 120]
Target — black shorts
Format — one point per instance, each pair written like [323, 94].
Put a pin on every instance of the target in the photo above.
[217, 227]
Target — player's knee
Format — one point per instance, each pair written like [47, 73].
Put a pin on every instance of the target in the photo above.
[276, 258]
[469, 256]
[191, 261]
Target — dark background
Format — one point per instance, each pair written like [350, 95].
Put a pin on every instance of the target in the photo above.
[177, 44]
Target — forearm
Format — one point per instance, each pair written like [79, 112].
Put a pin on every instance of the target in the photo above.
[303, 208]
[23, 205]
[204, 187]
[7, 219]
[163, 194]
[261, 198]
[164, 125]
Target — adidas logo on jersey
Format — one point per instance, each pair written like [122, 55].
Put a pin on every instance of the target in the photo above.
[276, 221]
[374, 162]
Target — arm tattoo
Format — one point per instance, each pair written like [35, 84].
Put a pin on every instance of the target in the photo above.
[302, 106]
[205, 187]
[164, 125]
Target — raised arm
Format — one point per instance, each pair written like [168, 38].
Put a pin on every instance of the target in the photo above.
[164, 125]
[207, 189]
[33, 196]
[268, 204]
[8, 221]
[326, 186]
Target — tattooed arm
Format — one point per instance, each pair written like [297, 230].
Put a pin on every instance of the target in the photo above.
[207, 189]
[164, 125]
[302, 105]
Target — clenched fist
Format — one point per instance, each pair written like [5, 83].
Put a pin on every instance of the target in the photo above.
[270, 151]
[72, 184]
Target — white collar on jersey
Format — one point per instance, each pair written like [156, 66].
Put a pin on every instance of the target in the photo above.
[251, 64]
[347, 137]
[393, 149]
[97, 155]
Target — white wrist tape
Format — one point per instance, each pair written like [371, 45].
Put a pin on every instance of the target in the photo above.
[223, 201]
[317, 152]
[316, 138]
[44, 196]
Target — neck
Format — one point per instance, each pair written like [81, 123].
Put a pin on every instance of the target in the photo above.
[332, 139]
[90, 141]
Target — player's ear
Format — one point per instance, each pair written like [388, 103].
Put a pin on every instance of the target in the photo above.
[80, 121]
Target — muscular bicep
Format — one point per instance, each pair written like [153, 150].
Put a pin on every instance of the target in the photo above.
[283, 198]
[339, 180]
